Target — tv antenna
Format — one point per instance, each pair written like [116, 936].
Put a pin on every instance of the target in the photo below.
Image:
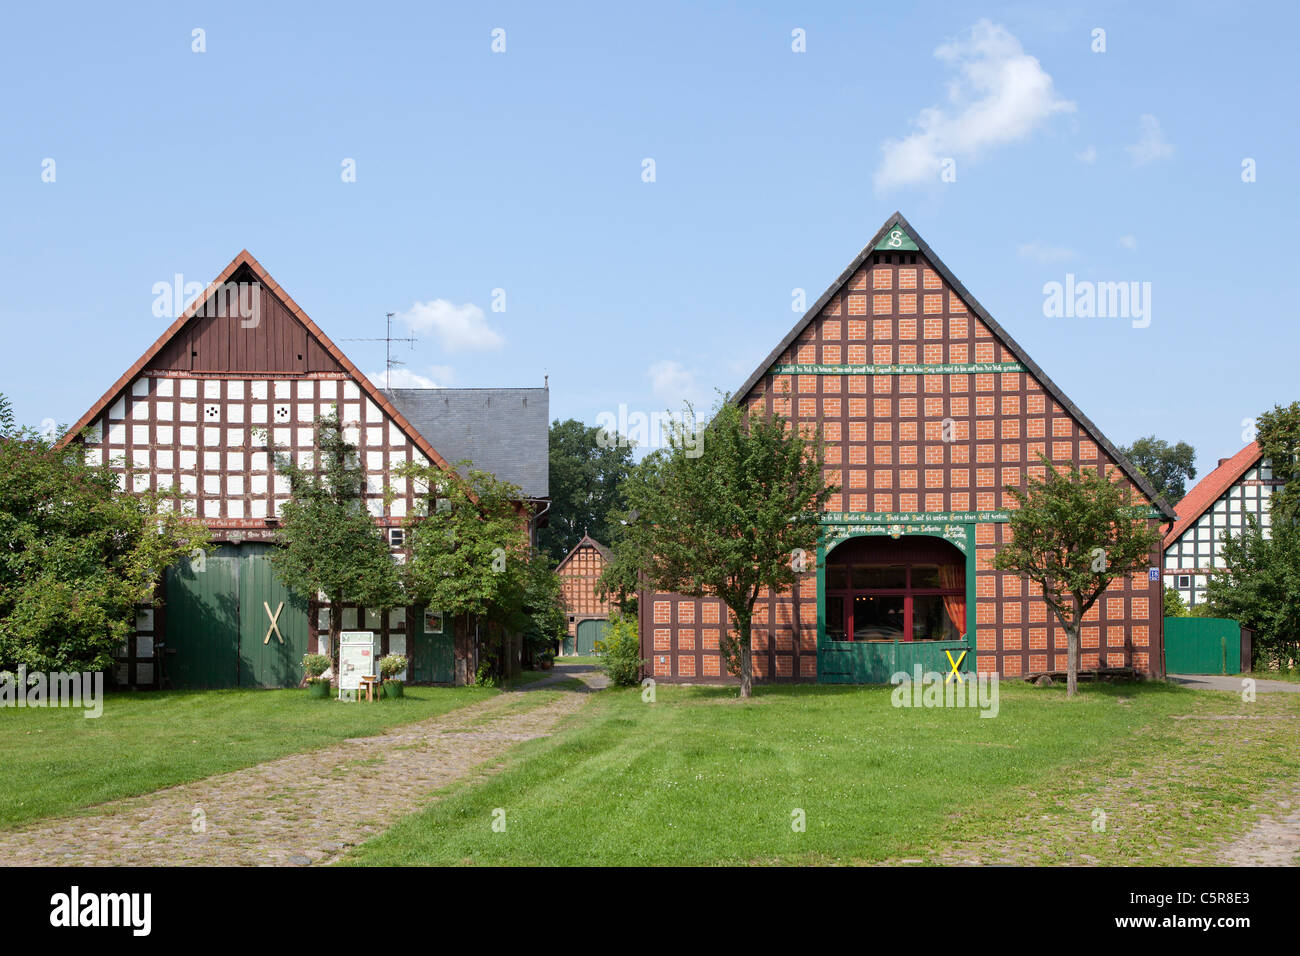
[389, 362]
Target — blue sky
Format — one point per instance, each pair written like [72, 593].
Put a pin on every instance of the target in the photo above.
[523, 171]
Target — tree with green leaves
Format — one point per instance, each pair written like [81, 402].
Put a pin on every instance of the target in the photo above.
[727, 514]
[79, 552]
[469, 552]
[1168, 467]
[587, 466]
[1277, 432]
[328, 541]
[1175, 606]
[1073, 533]
[543, 620]
[620, 579]
[1260, 588]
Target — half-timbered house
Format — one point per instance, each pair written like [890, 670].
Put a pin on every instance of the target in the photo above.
[588, 609]
[241, 376]
[1240, 488]
[929, 409]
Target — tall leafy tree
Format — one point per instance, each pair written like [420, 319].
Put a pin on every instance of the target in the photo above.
[1072, 534]
[77, 553]
[1168, 467]
[329, 542]
[587, 467]
[1278, 435]
[728, 516]
[1260, 588]
[469, 550]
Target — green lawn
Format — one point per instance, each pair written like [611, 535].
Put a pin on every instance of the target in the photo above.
[1291, 676]
[701, 778]
[56, 760]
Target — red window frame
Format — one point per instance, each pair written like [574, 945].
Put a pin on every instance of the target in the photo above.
[847, 595]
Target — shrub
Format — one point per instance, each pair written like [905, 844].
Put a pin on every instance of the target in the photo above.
[391, 665]
[486, 676]
[620, 652]
[315, 664]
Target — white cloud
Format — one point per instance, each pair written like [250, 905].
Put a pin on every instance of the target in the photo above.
[1151, 145]
[998, 95]
[1128, 242]
[1042, 252]
[673, 383]
[457, 327]
[401, 378]
[1088, 156]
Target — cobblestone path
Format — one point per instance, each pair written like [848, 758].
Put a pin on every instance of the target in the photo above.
[301, 809]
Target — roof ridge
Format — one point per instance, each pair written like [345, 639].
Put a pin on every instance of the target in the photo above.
[246, 259]
[1210, 489]
[897, 219]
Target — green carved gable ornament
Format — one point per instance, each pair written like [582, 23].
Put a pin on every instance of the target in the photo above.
[896, 240]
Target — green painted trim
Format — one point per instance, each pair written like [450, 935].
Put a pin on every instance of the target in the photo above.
[912, 517]
[831, 518]
[914, 368]
[896, 240]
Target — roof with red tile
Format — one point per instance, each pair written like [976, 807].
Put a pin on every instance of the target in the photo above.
[1210, 488]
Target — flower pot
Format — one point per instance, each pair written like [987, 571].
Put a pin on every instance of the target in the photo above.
[318, 689]
[392, 688]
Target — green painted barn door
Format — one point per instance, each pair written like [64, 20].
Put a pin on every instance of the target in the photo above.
[1202, 645]
[589, 632]
[432, 648]
[269, 656]
[202, 646]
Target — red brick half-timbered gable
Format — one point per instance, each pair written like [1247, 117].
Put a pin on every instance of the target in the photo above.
[928, 410]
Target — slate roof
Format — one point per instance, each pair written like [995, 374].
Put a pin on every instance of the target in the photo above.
[998, 332]
[1210, 488]
[505, 431]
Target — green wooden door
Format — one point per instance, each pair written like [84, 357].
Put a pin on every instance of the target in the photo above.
[589, 632]
[1202, 645]
[432, 650]
[268, 656]
[202, 644]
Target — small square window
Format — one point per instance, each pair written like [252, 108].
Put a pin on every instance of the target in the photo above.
[397, 537]
[432, 622]
[1184, 580]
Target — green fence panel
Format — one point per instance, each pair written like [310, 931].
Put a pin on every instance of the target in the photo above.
[1202, 645]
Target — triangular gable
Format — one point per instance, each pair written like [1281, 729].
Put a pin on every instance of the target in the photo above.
[896, 222]
[587, 540]
[895, 240]
[1210, 489]
[245, 260]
